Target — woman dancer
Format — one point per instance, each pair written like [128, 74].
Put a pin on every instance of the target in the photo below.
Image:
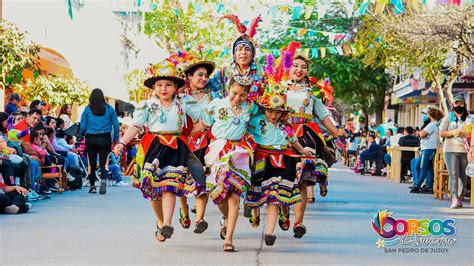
[197, 97]
[306, 105]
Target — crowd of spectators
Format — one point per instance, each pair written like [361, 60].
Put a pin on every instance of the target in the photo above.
[30, 143]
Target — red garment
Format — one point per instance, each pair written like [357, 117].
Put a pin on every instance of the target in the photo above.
[22, 125]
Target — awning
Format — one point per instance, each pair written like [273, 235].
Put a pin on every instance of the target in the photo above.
[51, 62]
[419, 97]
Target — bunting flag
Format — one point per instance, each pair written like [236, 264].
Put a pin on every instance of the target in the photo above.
[308, 12]
[322, 8]
[274, 11]
[197, 7]
[363, 7]
[323, 52]
[302, 32]
[339, 50]
[314, 52]
[220, 7]
[296, 12]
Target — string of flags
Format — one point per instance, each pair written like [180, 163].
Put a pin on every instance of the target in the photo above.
[319, 52]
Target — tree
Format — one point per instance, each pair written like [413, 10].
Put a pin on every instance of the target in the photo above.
[16, 53]
[358, 86]
[136, 90]
[434, 40]
[55, 90]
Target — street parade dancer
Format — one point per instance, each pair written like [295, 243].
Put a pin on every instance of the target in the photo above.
[231, 153]
[197, 97]
[163, 157]
[273, 179]
[301, 98]
[244, 64]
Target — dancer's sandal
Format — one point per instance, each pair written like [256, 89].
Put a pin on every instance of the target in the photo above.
[269, 239]
[167, 231]
[184, 220]
[323, 190]
[284, 220]
[228, 247]
[299, 230]
[254, 220]
[201, 226]
[159, 235]
[223, 232]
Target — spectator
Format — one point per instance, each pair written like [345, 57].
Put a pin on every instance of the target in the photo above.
[453, 130]
[429, 141]
[114, 169]
[98, 123]
[12, 198]
[372, 151]
[409, 140]
[12, 105]
[65, 114]
[37, 104]
[396, 138]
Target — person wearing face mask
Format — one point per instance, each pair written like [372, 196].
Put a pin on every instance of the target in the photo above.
[244, 64]
[429, 138]
[197, 96]
[453, 130]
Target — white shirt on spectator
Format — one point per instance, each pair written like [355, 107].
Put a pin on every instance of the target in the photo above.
[430, 141]
[394, 140]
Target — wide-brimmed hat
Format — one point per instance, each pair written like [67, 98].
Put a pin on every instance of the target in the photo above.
[187, 61]
[163, 70]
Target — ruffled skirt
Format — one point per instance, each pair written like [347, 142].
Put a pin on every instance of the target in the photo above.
[230, 168]
[273, 182]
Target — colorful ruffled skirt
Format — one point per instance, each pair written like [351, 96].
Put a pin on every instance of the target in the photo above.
[163, 163]
[230, 168]
[273, 180]
[312, 170]
[199, 145]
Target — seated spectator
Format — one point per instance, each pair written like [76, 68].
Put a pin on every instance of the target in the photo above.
[409, 140]
[12, 198]
[393, 143]
[115, 170]
[12, 105]
[60, 144]
[372, 151]
[37, 104]
[65, 114]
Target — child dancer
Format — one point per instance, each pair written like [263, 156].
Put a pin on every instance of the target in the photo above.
[273, 180]
[163, 159]
[230, 155]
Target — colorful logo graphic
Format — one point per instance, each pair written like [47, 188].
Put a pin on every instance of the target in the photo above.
[412, 231]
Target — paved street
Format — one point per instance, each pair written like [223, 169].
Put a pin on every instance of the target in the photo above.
[77, 228]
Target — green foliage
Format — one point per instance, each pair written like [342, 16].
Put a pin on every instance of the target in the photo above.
[191, 29]
[16, 53]
[55, 90]
[136, 90]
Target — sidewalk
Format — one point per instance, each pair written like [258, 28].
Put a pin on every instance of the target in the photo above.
[78, 228]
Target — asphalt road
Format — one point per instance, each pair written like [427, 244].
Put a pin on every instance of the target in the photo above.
[77, 228]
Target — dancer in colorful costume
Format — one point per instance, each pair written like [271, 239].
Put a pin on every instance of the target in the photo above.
[163, 158]
[306, 105]
[243, 51]
[273, 179]
[197, 97]
[231, 153]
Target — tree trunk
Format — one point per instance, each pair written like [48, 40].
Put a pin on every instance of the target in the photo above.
[441, 97]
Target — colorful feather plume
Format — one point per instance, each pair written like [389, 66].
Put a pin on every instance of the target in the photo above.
[234, 19]
[269, 61]
[252, 29]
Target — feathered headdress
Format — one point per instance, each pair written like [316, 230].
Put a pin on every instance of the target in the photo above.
[246, 34]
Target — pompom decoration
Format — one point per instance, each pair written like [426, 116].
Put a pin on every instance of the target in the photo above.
[269, 60]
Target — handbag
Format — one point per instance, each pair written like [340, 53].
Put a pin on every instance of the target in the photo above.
[73, 130]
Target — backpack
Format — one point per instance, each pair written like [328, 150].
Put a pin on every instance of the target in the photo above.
[78, 175]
